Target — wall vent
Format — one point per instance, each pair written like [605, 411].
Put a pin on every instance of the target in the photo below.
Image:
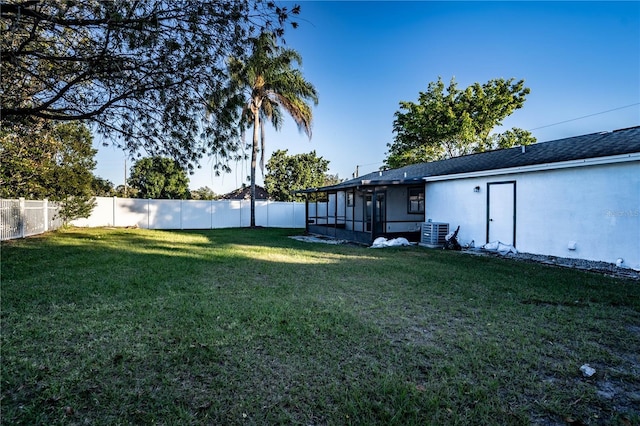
[433, 234]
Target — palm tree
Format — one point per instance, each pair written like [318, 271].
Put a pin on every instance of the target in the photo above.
[271, 84]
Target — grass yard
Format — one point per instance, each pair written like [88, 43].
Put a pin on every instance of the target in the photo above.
[119, 326]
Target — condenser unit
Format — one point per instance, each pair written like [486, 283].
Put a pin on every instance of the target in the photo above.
[433, 234]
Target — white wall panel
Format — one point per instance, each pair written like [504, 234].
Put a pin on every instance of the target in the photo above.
[597, 207]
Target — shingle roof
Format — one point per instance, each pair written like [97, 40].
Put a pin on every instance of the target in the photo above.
[594, 145]
[244, 193]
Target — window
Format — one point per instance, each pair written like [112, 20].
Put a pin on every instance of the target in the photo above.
[415, 200]
[350, 199]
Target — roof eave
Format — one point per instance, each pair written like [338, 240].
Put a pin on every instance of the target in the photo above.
[361, 183]
[593, 161]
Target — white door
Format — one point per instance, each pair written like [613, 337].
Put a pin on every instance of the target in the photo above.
[501, 212]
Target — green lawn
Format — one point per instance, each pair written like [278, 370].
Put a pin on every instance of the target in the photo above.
[118, 326]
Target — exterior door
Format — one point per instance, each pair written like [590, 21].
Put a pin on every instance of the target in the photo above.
[501, 212]
[368, 213]
[380, 213]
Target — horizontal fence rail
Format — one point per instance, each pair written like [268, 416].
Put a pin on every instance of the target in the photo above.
[21, 218]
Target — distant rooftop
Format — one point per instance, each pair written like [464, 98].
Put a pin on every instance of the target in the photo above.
[244, 193]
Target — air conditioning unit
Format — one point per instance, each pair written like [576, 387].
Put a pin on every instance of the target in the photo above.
[433, 234]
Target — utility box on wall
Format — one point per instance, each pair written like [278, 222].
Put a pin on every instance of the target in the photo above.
[433, 234]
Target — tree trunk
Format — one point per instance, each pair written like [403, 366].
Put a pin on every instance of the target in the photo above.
[255, 109]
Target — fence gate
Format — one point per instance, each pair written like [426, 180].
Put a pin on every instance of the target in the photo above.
[21, 218]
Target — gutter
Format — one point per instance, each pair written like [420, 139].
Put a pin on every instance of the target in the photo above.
[622, 158]
[391, 182]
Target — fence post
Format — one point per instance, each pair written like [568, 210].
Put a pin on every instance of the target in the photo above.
[23, 218]
[113, 211]
[45, 214]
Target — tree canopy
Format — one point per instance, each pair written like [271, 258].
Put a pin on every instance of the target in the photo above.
[288, 173]
[140, 71]
[49, 160]
[450, 122]
[103, 187]
[269, 83]
[203, 193]
[159, 178]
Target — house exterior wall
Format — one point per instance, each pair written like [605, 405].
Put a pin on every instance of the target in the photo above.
[398, 217]
[597, 207]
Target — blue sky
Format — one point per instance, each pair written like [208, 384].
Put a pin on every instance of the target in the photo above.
[580, 59]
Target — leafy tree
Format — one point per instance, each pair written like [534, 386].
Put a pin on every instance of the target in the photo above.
[41, 159]
[511, 138]
[453, 122]
[72, 174]
[102, 187]
[287, 173]
[138, 70]
[203, 193]
[330, 179]
[123, 191]
[159, 178]
[270, 83]
[27, 153]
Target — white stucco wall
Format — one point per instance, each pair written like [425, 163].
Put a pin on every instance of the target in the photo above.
[597, 207]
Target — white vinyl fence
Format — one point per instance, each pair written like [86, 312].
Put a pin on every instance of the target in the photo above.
[192, 214]
[21, 218]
